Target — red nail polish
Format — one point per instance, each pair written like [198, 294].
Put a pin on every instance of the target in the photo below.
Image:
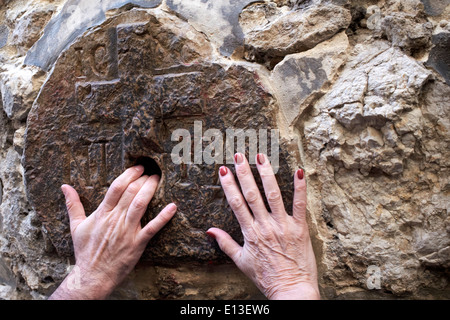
[300, 174]
[223, 171]
[260, 158]
[238, 158]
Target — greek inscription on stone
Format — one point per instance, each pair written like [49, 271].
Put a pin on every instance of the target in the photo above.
[122, 91]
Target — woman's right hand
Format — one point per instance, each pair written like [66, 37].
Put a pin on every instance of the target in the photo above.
[277, 253]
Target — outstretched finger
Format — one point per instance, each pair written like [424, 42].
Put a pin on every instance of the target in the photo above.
[131, 192]
[235, 198]
[157, 223]
[119, 186]
[249, 188]
[271, 189]
[141, 200]
[74, 206]
[226, 243]
[299, 204]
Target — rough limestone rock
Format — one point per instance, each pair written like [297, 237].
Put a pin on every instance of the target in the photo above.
[28, 24]
[364, 141]
[374, 89]
[295, 31]
[435, 7]
[224, 30]
[358, 89]
[19, 85]
[302, 77]
[4, 31]
[257, 14]
[439, 58]
[407, 31]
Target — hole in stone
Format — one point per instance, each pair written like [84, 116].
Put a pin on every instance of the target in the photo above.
[150, 166]
[48, 279]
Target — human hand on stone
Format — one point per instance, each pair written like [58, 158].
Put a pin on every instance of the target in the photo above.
[277, 253]
[109, 242]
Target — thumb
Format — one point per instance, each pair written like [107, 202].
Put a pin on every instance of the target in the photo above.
[74, 206]
[226, 243]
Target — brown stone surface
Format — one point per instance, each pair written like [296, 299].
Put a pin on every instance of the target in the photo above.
[114, 98]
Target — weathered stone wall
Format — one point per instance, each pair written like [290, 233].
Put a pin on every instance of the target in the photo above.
[360, 86]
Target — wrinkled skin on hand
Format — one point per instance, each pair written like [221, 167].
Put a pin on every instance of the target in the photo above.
[109, 242]
[277, 253]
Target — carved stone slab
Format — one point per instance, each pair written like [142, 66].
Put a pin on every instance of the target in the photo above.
[113, 99]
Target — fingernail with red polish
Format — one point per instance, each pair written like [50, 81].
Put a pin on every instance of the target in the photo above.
[260, 158]
[300, 174]
[238, 158]
[223, 171]
[211, 234]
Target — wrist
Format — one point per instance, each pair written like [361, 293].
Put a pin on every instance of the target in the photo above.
[302, 291]
[84, 284]
[97, 284]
